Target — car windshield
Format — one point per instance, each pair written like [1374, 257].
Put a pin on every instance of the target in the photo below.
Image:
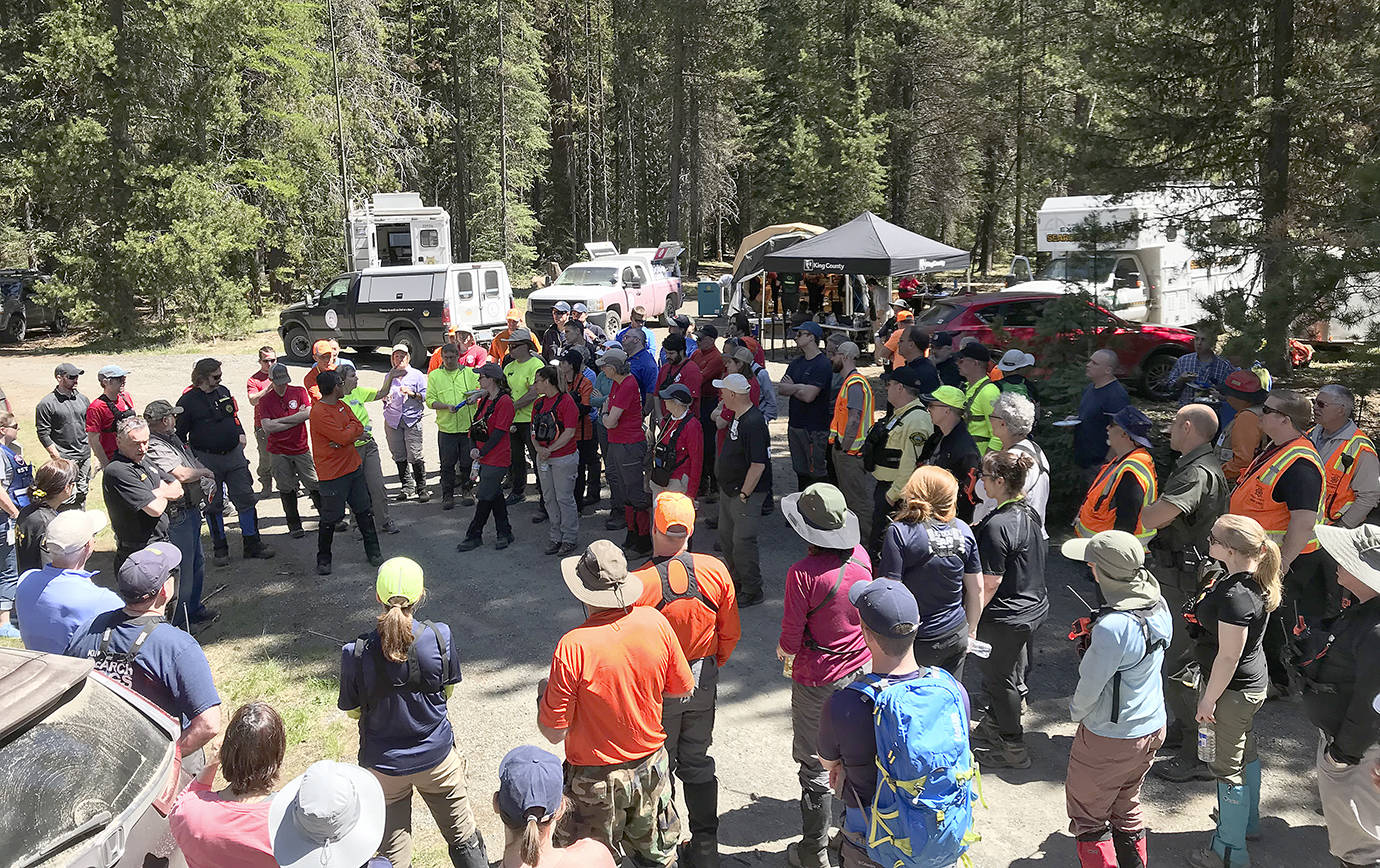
[1078, 268]
[94, 753]
[586, 275]
[937, 314]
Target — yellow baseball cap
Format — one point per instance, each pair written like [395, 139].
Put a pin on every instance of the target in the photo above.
[949, 396]
[399, 577]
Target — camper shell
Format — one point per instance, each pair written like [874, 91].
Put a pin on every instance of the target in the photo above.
[395, 230]
[1145, 267]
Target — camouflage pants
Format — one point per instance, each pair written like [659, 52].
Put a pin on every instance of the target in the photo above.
[629, 808]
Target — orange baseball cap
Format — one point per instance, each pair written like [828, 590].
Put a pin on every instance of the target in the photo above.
[515, 314]
[322, 347]
[903, 315]
[673, 513]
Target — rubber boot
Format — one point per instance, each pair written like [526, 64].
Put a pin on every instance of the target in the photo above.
[405, 480]
[811, 851]
[371, 538]
[294, 518]
[1130, 849]
[419, 471]
[1251, 772]
[1096, 850]
[702, 804]
[325, 535]
[254, 548]
[469, 854]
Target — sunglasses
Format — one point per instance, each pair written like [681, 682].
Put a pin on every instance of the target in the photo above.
[1267, 410]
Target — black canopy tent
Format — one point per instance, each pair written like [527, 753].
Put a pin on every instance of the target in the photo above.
[867, 245]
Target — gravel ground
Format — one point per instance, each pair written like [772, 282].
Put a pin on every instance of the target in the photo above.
[509, 608]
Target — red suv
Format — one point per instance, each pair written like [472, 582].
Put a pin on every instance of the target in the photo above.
[1146, 351]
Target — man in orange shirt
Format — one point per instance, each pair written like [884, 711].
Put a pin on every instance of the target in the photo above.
[498, 347]
[339, 471]
[695, 594]
[327, 355]
[609, 678]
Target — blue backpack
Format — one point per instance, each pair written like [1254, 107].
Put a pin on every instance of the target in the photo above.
[922, 814]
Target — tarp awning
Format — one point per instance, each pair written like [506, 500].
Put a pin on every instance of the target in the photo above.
[868, 245]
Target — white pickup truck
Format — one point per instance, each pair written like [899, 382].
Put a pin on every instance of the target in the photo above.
[611, 284]
[1146, 273]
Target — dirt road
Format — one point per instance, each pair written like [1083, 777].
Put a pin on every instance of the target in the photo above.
[509, 607]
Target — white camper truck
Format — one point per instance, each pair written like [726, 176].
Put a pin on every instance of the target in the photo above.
[1143, 266]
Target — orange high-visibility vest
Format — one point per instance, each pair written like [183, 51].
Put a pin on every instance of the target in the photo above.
[839, 426]
[1099, 506]
[1338, 472]
[1253, 493]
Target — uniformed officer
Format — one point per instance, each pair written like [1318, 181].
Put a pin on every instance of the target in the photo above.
[1126, 483]
[893, 447]
[1283, 489]
[210, 424]
[695, 593]
[1193, 497]
[848, 430]
[1351, 469]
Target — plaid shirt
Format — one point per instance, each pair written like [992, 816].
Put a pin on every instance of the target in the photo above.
[1214, 372]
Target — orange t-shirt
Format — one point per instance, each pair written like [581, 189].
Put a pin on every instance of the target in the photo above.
[701, 632]
[309, 381]
[608, 677]
[334, 430]
[1244, 440]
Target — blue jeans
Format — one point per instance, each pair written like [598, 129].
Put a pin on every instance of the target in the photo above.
[185, 533]
[9, 565]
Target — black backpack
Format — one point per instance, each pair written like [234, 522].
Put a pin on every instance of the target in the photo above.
[415, 682]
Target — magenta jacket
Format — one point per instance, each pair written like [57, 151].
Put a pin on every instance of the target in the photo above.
[834, 646]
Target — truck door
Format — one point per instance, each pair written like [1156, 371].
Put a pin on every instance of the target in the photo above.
[495, 299]
[638, 293]
[463, 298]
[333, 314]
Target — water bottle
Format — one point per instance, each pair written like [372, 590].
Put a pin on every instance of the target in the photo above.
[1207, 742]
[474, 473]
[788, 666]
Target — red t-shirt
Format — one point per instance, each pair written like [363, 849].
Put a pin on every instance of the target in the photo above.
[255, 385]
[497, 414]
[271, 406]
[628, 396]
[566, 416]
[100, 419]
[214, 832]
[711, 365]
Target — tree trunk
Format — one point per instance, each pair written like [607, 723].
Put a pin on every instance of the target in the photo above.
[1274, 182]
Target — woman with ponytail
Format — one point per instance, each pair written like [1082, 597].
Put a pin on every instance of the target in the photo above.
[395, 680]
[53, 485]
[1227, 621]
[531, 801]
[934, 553]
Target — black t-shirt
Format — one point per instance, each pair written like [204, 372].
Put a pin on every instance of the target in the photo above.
[747, 443]
[948, 373]
[1298, 487]
[1235, 600]
[209, 421]
[957, 453]
[30, 532]
[128, 488]
[926, 373]
[811, 415]
[1011, 545]
[1127, 501]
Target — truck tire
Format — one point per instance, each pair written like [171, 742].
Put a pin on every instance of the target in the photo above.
[673, 303]
[16, 328]
[1154, 375]
[413, 341]
[60, 324]
[613, 321]
[297, 344]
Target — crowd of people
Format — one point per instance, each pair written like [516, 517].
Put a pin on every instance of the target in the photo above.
[1248, 571]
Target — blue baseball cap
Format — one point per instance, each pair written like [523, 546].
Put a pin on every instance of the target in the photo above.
[810, 326]
[112, 372]
[530, 784]
[147, 570]
[887, 607]
[562, 307]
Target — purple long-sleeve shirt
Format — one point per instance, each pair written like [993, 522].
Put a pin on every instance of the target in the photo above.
[833, 626]
[397, 407]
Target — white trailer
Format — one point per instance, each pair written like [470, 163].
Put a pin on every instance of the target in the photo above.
[1142, 265]
[396, 229]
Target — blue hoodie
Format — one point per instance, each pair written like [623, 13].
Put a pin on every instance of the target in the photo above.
[1118, 645]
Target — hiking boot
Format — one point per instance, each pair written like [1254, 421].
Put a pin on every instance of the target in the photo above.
[1005, 755]
[615, 522]
[504, 540]
[221, 556]
[254, 548]
[469, 544]
[515, 498]
[552, 548]
[1131, 849]
[419, 471]
[567, 549]
[323, 565]
[390, 527]
[1182, 769]
[984, 733]
[447, 502]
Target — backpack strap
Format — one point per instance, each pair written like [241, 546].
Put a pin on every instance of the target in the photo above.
[692, 585]
[415, 682]
[1151, 645]
[809, 641]
[149, 624]
[440, 649]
